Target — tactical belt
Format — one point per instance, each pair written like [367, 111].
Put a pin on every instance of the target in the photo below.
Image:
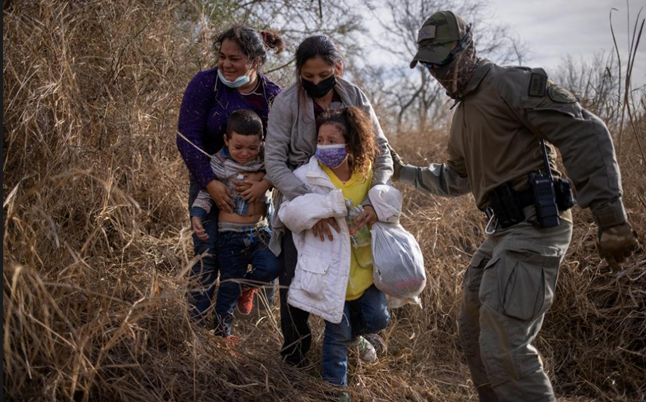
[547, 194]
[506, 204]
[525, 198]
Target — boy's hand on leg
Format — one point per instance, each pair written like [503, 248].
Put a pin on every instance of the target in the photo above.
[198, 229]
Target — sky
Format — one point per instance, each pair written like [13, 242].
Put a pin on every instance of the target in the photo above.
[554, 29]
[579, 28]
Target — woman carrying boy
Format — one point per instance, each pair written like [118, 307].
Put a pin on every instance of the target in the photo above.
[210, 98]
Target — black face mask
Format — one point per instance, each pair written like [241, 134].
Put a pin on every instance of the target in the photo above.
[319, 90]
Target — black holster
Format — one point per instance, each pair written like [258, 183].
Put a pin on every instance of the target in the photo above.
[506, 205]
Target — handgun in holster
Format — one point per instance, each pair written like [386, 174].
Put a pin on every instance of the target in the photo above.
[506, 206]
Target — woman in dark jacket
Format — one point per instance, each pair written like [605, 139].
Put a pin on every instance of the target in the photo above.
[211, 96]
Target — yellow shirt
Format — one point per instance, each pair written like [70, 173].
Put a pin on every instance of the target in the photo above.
[356, 190]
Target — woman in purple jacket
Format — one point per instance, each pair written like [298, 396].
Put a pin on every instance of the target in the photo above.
[211, 96]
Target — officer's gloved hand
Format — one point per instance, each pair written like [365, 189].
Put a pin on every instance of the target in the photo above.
[617, 243]
[398, 163]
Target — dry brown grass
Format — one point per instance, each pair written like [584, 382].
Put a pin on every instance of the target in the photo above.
[96, 244]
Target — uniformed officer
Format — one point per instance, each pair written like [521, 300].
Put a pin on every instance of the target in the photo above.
[496, 152]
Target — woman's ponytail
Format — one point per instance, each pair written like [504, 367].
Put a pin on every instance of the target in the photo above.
[253, 43]
[272, 40]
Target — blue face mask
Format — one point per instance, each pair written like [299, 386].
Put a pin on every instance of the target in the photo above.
[240, 81]
[331, 156]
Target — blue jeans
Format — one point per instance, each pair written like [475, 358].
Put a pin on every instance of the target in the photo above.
[206, 270]
[366, 315]
[269, 292]
[235, 252]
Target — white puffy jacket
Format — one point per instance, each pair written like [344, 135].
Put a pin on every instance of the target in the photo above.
[323, 267]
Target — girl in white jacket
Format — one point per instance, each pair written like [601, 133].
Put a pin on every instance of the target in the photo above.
[332, 279]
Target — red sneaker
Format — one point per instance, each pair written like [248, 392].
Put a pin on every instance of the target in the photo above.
[245, 301]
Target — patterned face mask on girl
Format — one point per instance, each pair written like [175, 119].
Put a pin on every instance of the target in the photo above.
[331, 156]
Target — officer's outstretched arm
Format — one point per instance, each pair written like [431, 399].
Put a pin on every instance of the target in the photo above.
[437, 179]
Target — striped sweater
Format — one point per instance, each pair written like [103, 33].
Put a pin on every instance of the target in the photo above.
[227, 171]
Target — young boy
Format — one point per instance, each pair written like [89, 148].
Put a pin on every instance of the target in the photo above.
[243, 235]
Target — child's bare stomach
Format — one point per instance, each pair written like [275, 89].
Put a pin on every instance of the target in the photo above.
[255, 213]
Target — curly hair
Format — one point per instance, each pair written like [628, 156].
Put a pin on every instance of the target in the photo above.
[358, 132]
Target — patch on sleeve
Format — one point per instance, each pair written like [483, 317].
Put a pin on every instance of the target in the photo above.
[560, 95]
[537, 85]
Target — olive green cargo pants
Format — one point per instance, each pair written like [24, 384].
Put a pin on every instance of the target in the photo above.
[508, 287]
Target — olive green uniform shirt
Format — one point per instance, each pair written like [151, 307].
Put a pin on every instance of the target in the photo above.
[495, 138]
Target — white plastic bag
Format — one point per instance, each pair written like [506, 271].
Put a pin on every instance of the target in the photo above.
[398, 264]
[387, 202]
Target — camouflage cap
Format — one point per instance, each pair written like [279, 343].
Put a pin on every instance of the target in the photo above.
[438, 36]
